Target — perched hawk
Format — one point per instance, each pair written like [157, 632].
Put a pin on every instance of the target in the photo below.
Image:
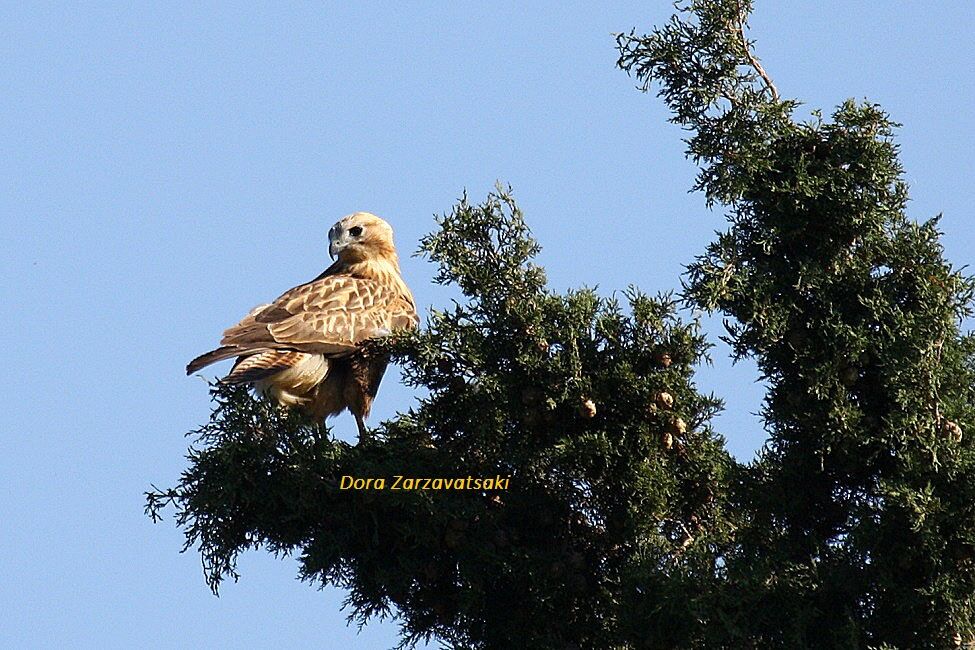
[303, 348]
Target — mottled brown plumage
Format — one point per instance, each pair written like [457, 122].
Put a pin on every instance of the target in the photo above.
[304, 348]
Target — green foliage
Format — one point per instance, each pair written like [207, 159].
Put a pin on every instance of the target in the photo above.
[625, 523]
[860, 523]
[615, 475]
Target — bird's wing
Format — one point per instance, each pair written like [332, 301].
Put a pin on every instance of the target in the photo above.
[330, 315]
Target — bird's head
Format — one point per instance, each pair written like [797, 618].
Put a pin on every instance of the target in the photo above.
[361, 237]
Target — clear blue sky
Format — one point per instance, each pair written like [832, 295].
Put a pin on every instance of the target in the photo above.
[164, 170]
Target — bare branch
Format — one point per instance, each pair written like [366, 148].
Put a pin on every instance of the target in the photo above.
[752, 59]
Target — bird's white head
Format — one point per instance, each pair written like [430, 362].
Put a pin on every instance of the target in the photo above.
[359, 237]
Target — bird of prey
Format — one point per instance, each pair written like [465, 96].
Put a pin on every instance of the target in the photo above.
[303, 348]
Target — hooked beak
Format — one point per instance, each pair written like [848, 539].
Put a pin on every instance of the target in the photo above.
[333, 250]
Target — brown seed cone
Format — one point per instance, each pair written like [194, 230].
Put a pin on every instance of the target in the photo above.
[677, 426]
[666, 440]
[587, 409]
[952, 430]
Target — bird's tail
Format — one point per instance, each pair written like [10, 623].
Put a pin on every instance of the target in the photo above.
[212, 356]
[266, 363]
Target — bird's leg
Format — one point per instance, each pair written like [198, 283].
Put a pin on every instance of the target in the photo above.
[364, 435]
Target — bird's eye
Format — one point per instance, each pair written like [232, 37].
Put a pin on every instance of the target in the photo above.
[355, 231]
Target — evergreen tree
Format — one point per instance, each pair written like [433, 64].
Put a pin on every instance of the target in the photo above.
[615, 475]
[624, 523]
[860, 524]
